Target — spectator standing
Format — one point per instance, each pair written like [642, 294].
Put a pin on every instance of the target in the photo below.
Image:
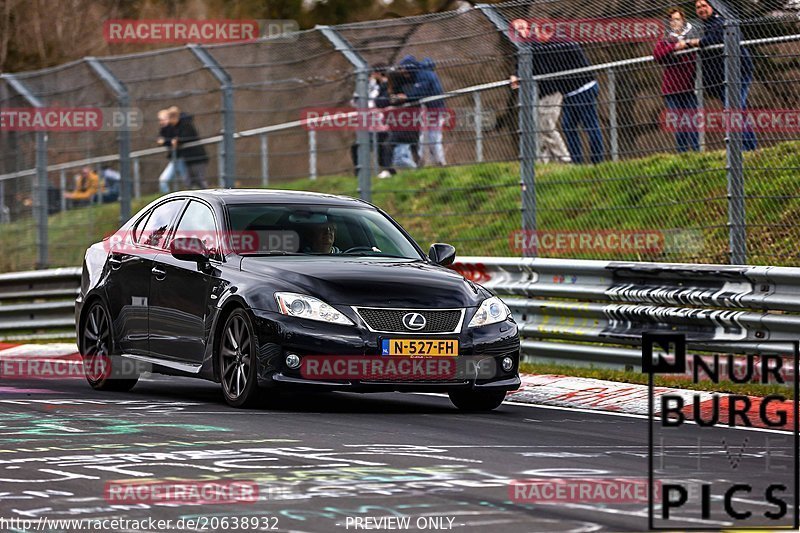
[580, 99]
[426, 84]
[175, 166]
[550, 144]
[194, 156]
[401, 81]
[385, 147]
[677, 81]
[713, 62]
[378, 97]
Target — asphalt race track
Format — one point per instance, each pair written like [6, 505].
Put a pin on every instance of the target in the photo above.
[321, 461]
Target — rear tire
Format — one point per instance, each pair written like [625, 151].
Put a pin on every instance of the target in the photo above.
[238, 347]
[102, 368]
[474, 401]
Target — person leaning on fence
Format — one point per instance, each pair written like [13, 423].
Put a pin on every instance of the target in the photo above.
[175, 166]
[580, 99]
[194, 156]
[87, 185]
[713, 62]
[677, 81]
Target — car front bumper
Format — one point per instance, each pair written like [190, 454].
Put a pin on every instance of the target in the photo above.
[280, 335]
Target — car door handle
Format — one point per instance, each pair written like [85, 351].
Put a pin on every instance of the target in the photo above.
[159, 274]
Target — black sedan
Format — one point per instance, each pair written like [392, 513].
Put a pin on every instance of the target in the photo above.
[260, 289]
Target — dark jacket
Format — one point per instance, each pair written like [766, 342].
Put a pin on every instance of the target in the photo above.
[382, 100]
[679, 70]
[186, 132]
[714, 60]
[402, 81]
[167, 133]
[425, 81]
[559, 56]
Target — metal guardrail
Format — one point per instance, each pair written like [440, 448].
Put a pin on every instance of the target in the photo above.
[39, 304]
[595, 311]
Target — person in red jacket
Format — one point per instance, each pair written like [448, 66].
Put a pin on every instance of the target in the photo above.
[678, 79]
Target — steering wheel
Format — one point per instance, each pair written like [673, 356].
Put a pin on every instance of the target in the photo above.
[359, 249]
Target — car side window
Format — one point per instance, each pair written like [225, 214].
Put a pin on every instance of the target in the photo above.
[138, 230]
[198, 221]
[155, 230]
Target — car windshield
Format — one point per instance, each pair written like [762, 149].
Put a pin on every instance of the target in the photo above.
[269, 229]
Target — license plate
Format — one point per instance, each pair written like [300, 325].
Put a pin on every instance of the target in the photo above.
[420, 347]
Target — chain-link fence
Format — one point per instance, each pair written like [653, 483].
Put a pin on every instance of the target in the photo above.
[580, 130]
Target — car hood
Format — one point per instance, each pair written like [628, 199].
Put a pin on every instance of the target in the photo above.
[378, 282]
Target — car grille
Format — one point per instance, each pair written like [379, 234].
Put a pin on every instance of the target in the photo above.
[391, 320]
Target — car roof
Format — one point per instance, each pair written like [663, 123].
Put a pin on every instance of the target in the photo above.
[278, 196]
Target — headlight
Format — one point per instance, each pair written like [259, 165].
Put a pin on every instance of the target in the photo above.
[303, 306]
[491, 311]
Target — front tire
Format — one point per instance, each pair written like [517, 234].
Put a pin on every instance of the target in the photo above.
[103, 369]
[237, 360]
[474, 401]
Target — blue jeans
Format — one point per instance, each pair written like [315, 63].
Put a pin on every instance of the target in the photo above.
[176, 166]
[685, 140]
[403, 157]
[577, 110]
[748, 136]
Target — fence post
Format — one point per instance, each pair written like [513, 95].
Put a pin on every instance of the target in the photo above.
[137, 178]
[62, 185]
[361, 68]
[3, 207]
[612, 112]
[123, 136]
[228, 149]
[221, 166]
[312, 154]
[41, 183]
[264, 142]
[735, 170]
[478, 114]
[528, 102]
[528, 127]
[698, 90]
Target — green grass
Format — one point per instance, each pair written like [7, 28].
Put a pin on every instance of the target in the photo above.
[625, 376]
[477, 207]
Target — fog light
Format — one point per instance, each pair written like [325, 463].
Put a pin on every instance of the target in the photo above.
[507, 364]
[293, 361]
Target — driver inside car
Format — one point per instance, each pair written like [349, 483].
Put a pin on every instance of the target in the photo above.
[321, 238]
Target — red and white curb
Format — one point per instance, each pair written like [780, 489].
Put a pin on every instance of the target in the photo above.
[61, 350]
[602, 395]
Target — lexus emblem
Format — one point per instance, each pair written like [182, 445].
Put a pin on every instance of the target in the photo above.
[414, 321]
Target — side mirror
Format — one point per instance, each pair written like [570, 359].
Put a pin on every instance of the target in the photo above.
[442, 254]
[189, 249]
